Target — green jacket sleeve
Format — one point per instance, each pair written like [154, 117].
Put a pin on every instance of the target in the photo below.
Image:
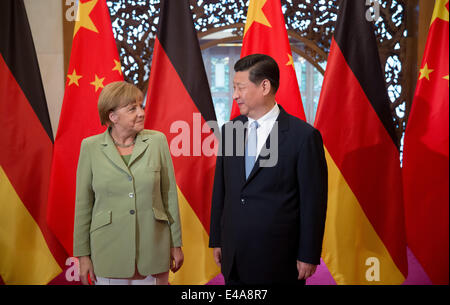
[169, 194]
[84, 202]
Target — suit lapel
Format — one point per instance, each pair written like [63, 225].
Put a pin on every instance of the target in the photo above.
[283, 127]
[110, 151]
[139, 148]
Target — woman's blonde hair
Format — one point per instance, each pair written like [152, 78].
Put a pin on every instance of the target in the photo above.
[117, 95]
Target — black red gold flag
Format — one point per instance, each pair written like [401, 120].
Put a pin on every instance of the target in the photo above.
[29, 252]
[179, 104]
[365, 240]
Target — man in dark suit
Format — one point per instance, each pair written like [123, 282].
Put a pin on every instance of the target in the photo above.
[269, 198]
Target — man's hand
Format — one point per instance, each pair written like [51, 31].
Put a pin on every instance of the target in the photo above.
[305, 270]
[86, 268]
[217, 252]
[176, 259]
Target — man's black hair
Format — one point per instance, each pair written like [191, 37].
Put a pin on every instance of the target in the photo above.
[260, 67]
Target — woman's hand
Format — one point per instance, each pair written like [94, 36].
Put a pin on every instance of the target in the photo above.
[86, 268]
[176, 259]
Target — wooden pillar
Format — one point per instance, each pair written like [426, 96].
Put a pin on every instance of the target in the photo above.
[418, 19]
[409, 65]
[426, 8]
[68, 15]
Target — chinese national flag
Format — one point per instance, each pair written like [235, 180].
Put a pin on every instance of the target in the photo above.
[179, 104]
[265, 33]
[29, 251]
[426, 154]
[94, 62]
[365, 241]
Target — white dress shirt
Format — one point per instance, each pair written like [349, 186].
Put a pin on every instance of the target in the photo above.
[266, 123]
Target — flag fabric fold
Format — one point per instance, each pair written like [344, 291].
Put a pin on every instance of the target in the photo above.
[265, 33]
[29, 251]
[179, 104]
[364, 239]
[426, 154]
[94, 62]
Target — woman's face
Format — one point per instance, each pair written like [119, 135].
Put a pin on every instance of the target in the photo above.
[129, 118]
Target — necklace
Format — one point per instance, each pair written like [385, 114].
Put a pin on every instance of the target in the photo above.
[124, 145]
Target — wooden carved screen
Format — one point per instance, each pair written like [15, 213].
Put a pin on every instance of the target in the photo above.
[310, 27]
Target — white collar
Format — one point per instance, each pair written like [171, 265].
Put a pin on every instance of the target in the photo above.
[269, 116]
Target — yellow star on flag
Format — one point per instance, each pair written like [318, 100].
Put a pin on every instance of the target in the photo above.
[73, 78]
[117, 67]
[440, 11]
[446, 77]
[425, 72]
[255, 14]
[83, 19]
[291, 61]
[98, 82]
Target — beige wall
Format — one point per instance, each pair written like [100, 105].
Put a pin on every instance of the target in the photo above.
[45, 18]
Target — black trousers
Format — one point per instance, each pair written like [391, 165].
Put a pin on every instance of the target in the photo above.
[235, 280]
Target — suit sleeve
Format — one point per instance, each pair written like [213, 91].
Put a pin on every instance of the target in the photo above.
[84, 201]
[313, 185]
[217, 200]
[170, 194]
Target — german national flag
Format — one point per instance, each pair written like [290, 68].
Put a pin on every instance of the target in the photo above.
[179, 103]
[364, 231]
[29, 253]
[426, 155]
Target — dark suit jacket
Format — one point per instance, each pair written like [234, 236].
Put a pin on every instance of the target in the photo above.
[265, 223]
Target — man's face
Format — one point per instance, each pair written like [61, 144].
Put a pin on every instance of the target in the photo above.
[249, 97]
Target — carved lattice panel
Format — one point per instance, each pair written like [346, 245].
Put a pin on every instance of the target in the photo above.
[310, 26]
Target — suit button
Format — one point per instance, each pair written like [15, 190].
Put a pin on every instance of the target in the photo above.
[131, 195]
[132, 212]
[243, 200]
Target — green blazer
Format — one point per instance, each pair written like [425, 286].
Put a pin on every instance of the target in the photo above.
[126, 216]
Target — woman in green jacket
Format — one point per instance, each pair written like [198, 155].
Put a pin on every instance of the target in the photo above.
[127, 225]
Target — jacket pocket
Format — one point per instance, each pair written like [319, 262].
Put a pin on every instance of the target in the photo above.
[154, 168]
[160, 215]
[100, 220]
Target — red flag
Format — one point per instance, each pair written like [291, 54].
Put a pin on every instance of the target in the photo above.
[29, 252]
[94, 63]
[265, 33]
[179, 103]
[364, 241]
[426, 155]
